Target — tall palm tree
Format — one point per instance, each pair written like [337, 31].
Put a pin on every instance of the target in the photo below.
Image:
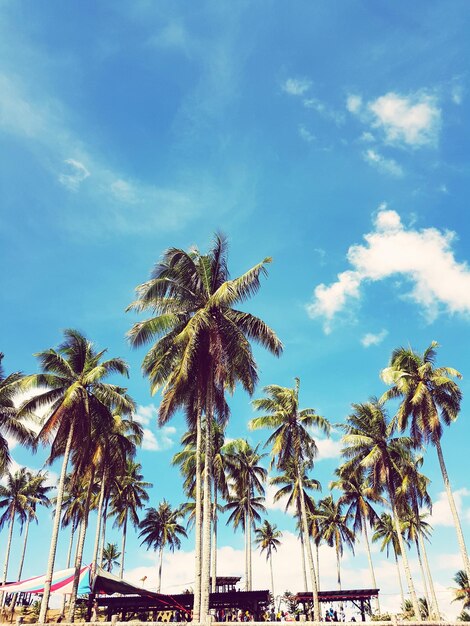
[246, 487]
[430, 400]
[292, 442]
[268, 539]
[10, 424]
[202, 348]
[386, 532]
[111, 556]
[289, 488]
[72, 388]
[160, 528]
[369, 441]
[15, 499]
[127, 499]
[357, 496]
[462, 593]
[334, 529]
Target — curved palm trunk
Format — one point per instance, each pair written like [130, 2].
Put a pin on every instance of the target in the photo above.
[453, 508]
[7, 553]
[198, 521]
[80, 546]
[160, 565]
[103, 526]
[99, 521]
[371, 565]
[404, 556]
[67, 564]
[214, 542]
[302, 552]
[206, 521]
[123, 546]
[434, 606]
[308, 547]
[423, 575]
[400, 581]
[55, 530]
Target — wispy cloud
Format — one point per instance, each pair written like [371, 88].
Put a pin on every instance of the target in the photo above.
[296, 86]
[373, 339]
[76, 174]
[305, 134]
[383, 164]
[423, 258]
[154, 440]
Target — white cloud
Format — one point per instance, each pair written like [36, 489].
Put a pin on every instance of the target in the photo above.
[77, 173]
[270, 504]
[457, 94]
[441, 513]
[305, 134]
[296, 86]
[371, 339]
[413, 120]
[353, 103]
[423, 258]
[156, 441]
[387, 166]
[328, 449]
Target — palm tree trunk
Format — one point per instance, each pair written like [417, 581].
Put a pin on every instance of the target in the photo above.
[20, 568]
[404, 556]
[435, 606]
[7, 553]
[206, 521]
[302, 551]
[99, 520]
[247, 582]
[80, 547]
[67, 564]
[272, 575]
[55, 530]
[453, 508]
[103, 525]
[248, 540]
[400, 582]
[160, 565]
[371, 565]
[338, 566]
[198, 520]
[214, 542]
[317, 555]
[308, 547]
[423, 575]
[123, 547]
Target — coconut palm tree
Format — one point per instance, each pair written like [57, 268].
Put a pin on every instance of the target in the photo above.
[292, 442]
[72, 388]
[289, 488]
[202, 348]
[357, 496]
[386, 532]
[10, 424]
[268, 539]
[15, 499]
[111, 556]
[430, 400]
[127, 498]
[369, 441]
[334, 529]
[160, 528]
[462, 594]
[246, 487]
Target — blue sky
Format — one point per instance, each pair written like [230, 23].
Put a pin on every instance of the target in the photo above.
[331, 136]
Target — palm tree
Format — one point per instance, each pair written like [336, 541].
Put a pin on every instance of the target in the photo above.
[357, 496]
[334, 530]
[71, 387]
[430, 399]
[202, 348]
[289, 489]
[462, 594]
[111, 556]
[369, 441]
[292, 443]
[128, 497]
[14, 498]
[161, 528]
[268, 539]
[247, 479]
[10, 424]
[386, 532]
